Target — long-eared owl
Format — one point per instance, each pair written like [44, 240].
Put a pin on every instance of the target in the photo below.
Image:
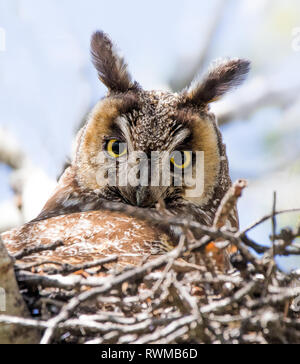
[129, 120]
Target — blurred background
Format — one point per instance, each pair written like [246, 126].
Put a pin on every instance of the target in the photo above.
[48, 85]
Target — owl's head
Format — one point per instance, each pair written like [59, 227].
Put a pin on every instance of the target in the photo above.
[138, 134]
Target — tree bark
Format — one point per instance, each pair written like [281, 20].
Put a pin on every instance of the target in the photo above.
[11, 303]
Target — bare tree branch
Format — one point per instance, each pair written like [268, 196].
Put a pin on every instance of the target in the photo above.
[257, 94]
[13, 302]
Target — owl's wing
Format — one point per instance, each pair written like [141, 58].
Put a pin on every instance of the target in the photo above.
[88, 237]
[69, 198]
[60, 201]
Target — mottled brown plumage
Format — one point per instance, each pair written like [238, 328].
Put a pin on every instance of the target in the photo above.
[89, 236]
[147, 121]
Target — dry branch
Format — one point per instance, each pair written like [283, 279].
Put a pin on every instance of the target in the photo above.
[169, 299]
[228, 204]
[14, 304]
[258, 94]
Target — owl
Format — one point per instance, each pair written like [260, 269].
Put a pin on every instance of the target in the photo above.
[129, 128]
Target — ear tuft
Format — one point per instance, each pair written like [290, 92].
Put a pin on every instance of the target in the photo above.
[223, 76]
[111, 68]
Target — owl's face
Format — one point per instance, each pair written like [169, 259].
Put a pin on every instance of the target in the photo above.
[133, 136]
[154, 133]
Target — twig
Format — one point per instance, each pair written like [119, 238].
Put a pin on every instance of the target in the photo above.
[263, 93]
[266, 218]
[68, 269]
[29, 267]
[68, 283]
[229, 203]
[274, 223]
[238, 296]
[38, 249]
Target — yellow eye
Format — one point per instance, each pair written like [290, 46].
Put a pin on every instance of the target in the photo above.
[182, 160]
[115, 148]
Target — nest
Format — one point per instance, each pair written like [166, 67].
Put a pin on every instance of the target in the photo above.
[171, 299]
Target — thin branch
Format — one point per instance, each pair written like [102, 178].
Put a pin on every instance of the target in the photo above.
[262, 94]
[266, 218]
[228, 204]
[38, 249]
[68, 269]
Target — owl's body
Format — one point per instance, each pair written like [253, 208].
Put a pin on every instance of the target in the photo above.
[126, 121]
[87, 237]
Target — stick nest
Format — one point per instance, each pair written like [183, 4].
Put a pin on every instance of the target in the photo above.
[172, 299]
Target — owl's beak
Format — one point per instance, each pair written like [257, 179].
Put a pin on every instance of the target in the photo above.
[143, 196]
[148, 196]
